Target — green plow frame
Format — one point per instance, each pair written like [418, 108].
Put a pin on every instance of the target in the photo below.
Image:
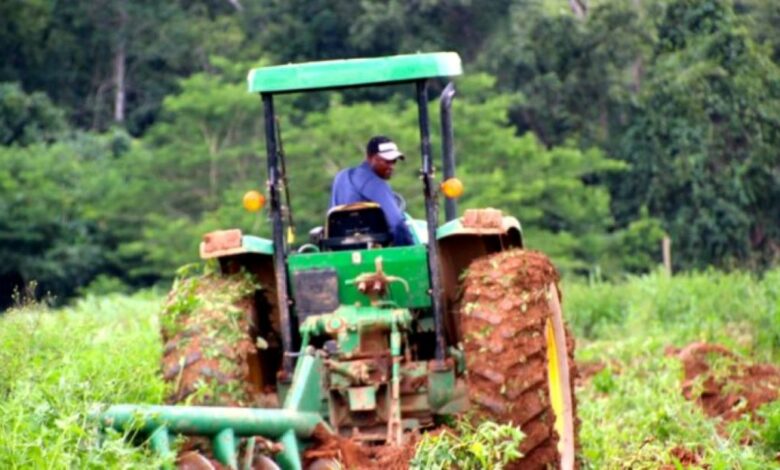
[290, 425]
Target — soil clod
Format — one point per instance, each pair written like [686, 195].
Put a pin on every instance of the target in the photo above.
[723, 384]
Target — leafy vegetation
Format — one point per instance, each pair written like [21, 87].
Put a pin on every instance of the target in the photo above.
[56, 365]
[633, 411]
[126, 133]
[633, 414]
[602, 129]
[738, 310]
[769, 430]
[488, 445]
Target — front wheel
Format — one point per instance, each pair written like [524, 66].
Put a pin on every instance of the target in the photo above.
[518, 359]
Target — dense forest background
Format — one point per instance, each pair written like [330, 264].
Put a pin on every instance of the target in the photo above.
[126, 130]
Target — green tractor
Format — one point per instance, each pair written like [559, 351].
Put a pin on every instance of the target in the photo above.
[347, 337]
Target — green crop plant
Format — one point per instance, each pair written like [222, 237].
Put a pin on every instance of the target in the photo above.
[56, 364]
[633, 412]
[769, 427]
[735, 309]
[634, 416]
[488, 445]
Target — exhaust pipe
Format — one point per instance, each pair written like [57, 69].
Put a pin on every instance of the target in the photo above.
[447, 147]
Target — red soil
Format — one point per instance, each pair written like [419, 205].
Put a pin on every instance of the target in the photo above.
[685, 457]
[352, 455]
[723, 384]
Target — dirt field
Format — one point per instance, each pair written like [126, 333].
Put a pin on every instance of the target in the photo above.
[723, 384]
[350, 454]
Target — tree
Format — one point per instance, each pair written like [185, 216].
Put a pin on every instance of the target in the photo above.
[28, 118]
[762, 19]
[577, 75]
[197, 161]
[53, 225]
[109, 61]
[315, 30]
[703, 146]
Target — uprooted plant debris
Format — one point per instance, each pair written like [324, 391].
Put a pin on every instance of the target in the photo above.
[351, 454]
[723, 384]
[205, 326]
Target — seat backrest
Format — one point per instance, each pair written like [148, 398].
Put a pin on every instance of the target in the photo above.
[358, 225]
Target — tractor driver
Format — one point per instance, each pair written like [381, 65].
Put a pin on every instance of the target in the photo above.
[367, 182]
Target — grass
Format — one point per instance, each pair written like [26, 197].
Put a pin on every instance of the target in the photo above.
[56, 365]
[734, 309]
[633, 412]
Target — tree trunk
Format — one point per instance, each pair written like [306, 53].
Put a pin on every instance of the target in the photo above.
[119, 81]
[236, 4]
[637, 71]
[637, 68]
[120, 57]
[579, 7]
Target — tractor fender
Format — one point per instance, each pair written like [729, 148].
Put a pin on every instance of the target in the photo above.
[479, 232]
[484, 222]
[253, 255]
[221, 243]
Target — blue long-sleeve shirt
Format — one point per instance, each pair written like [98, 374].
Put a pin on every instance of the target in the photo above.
[361, 184]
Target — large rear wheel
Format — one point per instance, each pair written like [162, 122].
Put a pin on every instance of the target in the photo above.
[209, 348]
[518, 357]
[210, 329]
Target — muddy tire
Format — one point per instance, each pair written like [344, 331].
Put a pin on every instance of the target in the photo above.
[206, 327]
[519, 358]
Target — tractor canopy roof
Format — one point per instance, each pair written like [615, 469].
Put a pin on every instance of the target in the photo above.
[353, 72]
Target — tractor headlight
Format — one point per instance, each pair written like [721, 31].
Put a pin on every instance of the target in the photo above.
[253, 201]
[452, 188]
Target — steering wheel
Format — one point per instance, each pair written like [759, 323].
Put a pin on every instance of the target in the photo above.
[400, 201]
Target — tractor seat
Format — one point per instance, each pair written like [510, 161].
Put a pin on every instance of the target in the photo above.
[356, 226]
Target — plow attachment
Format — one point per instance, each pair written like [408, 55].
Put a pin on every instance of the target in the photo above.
[290, 426]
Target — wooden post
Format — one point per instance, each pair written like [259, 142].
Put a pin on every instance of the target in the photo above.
[666, 250]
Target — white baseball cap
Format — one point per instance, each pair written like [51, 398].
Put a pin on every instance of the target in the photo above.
[385, 148]
[389, 151]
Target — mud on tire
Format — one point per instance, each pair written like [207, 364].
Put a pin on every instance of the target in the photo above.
[505, 311]
[206, 327]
